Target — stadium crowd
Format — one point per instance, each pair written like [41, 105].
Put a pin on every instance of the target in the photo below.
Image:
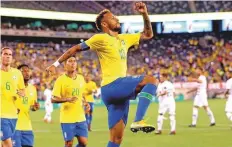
[177, 55]
[123, 7]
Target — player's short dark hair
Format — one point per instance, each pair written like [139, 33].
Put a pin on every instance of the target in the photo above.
[99, 19]
[201, 69]
[6, 48]
[165, 75]
[23, 65]
[70, 57]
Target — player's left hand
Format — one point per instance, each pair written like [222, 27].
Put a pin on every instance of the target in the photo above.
[36, 106]
[87, 107]
[140, 7]
[21, 92]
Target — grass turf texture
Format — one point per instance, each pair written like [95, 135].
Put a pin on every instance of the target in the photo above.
[49, 135]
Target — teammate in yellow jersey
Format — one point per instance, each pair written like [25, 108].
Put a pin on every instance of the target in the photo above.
[23, 136]
[90, 89]
[12, 86]
[68, 90]
[118, 89]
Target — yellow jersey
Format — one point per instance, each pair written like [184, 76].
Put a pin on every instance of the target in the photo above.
[24, 121]
[66, 87]
[112, 53]
[11, 81]
[89, 88]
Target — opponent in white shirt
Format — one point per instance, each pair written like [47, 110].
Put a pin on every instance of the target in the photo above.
[48, 105]
[200, 98]
[228, 96]
[165, 94]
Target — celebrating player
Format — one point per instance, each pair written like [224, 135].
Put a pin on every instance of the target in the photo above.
[12, 86]
[165, 94]
[68, 90]
[48, 104]
[23, 136]
[90, 89]
[200, 98]
[228, 96]
[117, 89]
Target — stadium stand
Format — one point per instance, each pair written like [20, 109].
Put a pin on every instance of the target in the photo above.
[121, 7]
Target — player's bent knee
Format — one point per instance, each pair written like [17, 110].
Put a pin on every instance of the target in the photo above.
[68, 143]
[116, 139]
[149, 80]
[172, 117]
[229, 114]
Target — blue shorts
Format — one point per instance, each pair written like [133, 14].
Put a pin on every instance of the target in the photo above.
[71, 130]
[21, 138]
[7, 128]
[91, 104]
[116, 97]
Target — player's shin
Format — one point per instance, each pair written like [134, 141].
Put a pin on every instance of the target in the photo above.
[229, 115]
[160, 122]
[112, 144]
[195, 116]
[90, 119]
[210, 114]
[87, 118]
[172, 122]
[145, 97]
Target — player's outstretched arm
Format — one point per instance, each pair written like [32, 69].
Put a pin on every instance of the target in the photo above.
[147, 31]
[56, 99]
[194, 80]
[70, 52]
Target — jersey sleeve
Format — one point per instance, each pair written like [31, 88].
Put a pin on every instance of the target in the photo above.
[21, 84]
[57, 88]
[94, 86]
[95, 42]
[132, 39]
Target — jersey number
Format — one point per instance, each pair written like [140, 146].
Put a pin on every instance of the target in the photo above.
[25, 100]
[75, 92]
[7, 85]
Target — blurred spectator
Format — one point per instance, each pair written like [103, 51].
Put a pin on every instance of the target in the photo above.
[178, 55]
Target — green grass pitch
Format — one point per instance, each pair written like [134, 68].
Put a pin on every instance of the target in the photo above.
[49, 135]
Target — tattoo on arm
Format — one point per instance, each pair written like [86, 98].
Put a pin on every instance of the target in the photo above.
[147, 26]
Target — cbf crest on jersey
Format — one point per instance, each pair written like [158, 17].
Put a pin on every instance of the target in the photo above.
[14, 77]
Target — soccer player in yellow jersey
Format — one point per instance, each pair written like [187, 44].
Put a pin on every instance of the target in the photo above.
[23, 136]
[12, 86]
[117, 89]
[90, 89]
[68, 90]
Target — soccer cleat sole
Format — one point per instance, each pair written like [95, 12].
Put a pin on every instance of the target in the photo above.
[146, 129]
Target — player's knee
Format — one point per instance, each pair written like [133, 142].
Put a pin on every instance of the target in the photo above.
[172, 117]
[149, 80]
[117, 139]
[68, 143]
[229, 115]
[81, 145]
[6, 143]
[205, 107]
